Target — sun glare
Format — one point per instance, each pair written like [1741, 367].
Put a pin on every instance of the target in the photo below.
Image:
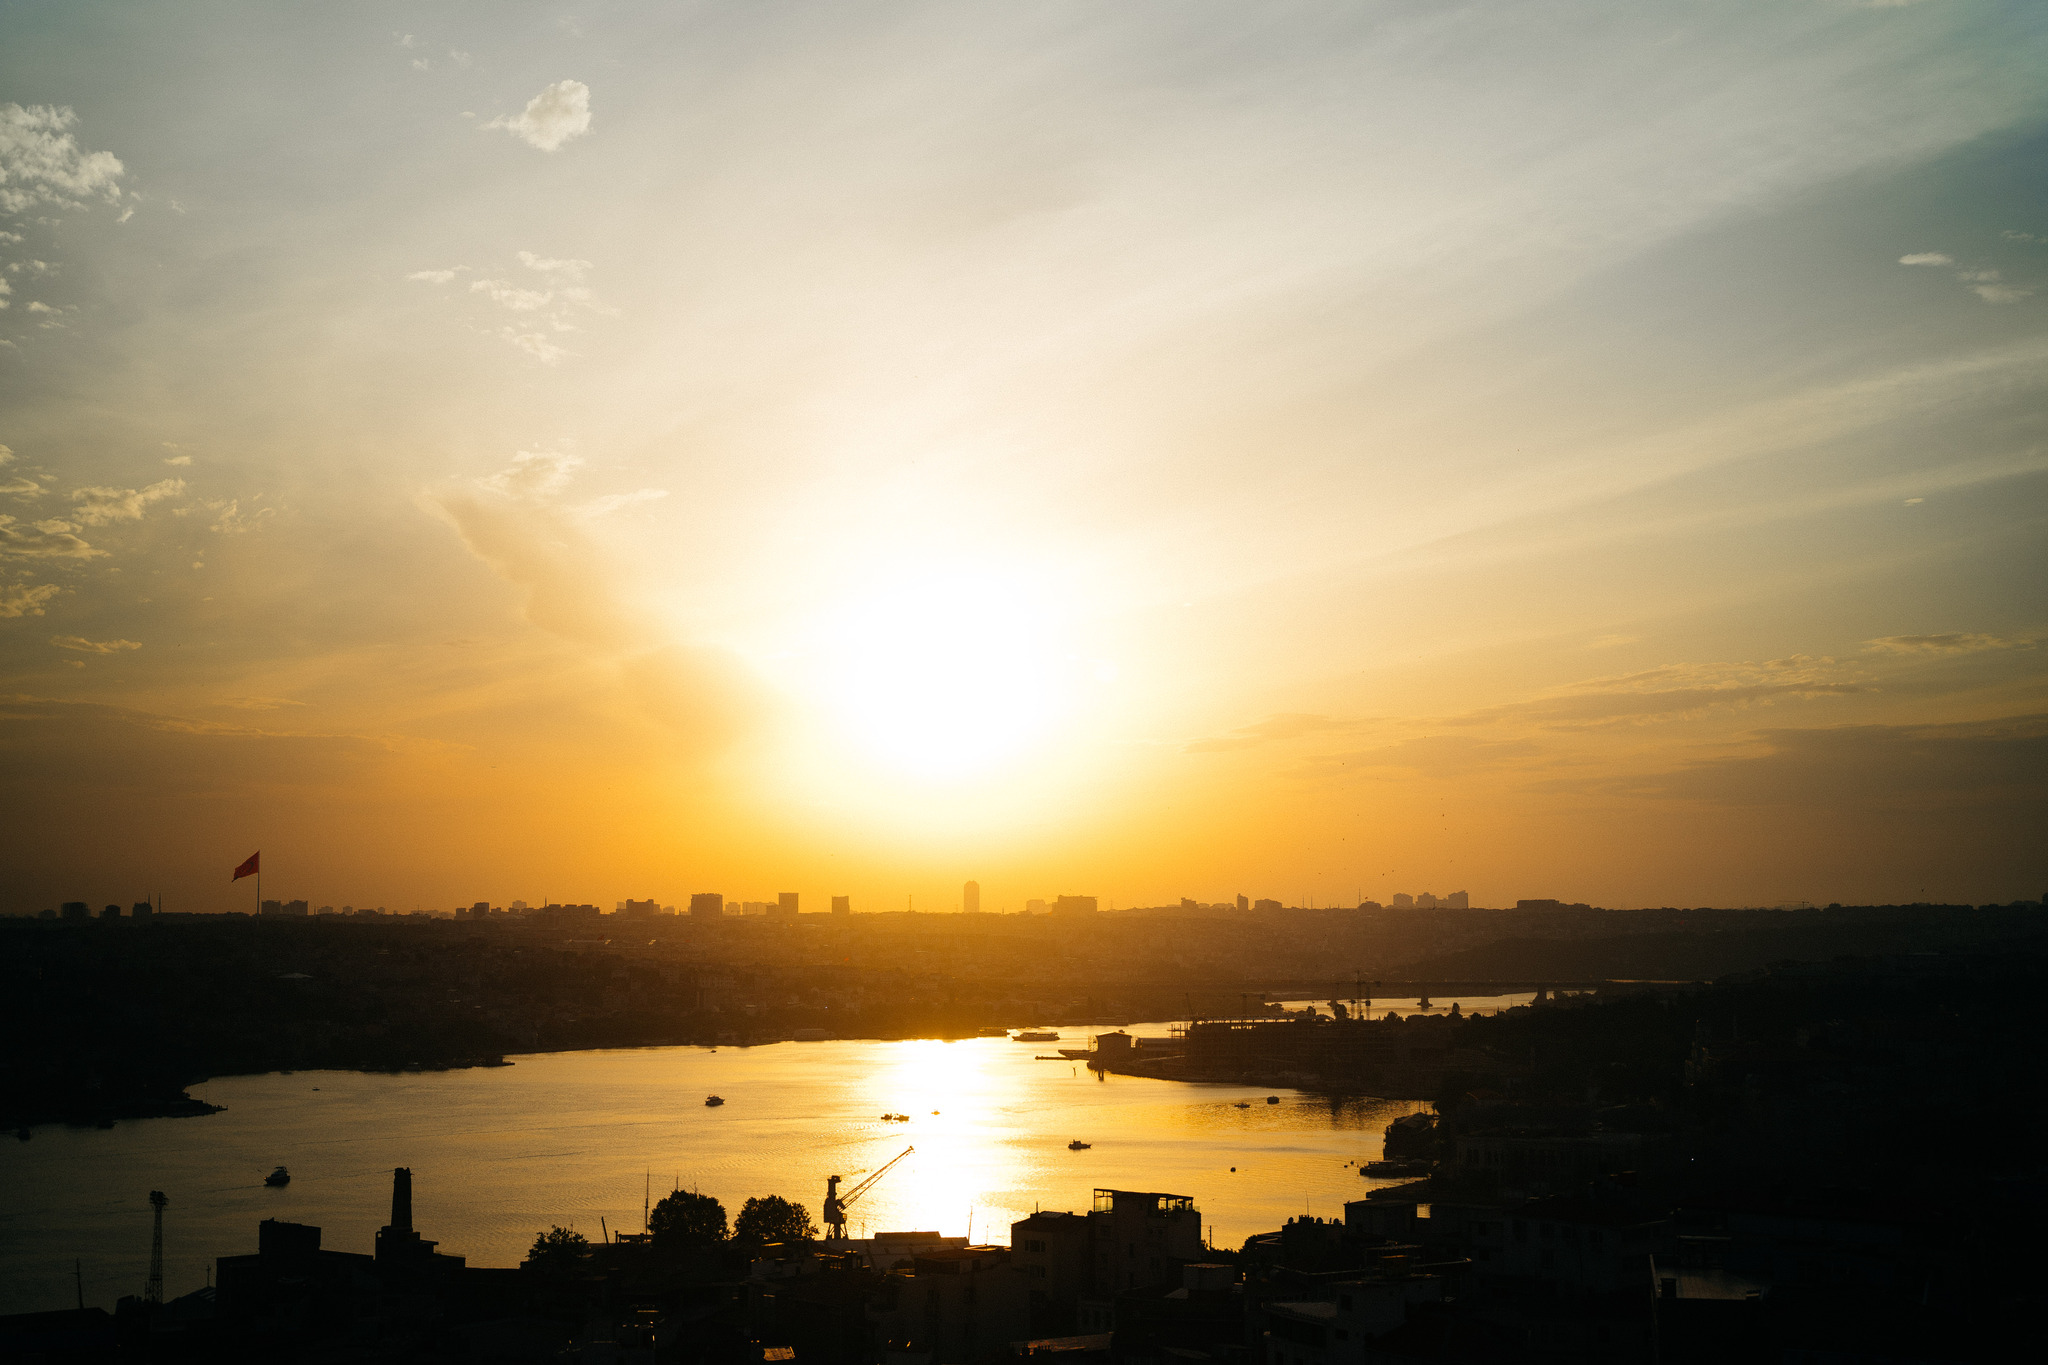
[944, 674]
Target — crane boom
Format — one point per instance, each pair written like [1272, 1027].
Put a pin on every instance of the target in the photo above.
[836, 1203]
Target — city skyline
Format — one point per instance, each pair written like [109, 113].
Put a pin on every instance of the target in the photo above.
[1568, 448]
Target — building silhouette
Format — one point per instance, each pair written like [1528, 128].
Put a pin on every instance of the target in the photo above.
[1074, 905]
[842, 905]
[785, 905]
[970, 898]
[707, 904]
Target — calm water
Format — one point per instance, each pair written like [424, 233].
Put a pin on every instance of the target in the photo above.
[500, 1154]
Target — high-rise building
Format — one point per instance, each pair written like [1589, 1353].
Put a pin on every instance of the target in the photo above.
[641, 909]
[842, 905]
[1458, 900]
[111, 912]
[1244, 903]
[1267, 907]
[970, 898]
[707, 905]
[1403, 901]
[77, 910]
[785, 905]
[142, 910]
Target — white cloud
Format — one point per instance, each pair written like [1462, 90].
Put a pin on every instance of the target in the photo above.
[25, 599]
[41, 163]
[509, 295]
[181, 461]
[81, 645]
[554, 116]
[436, 276]
[2000, 293]
[38, 306]
[99, 506]
[533, 343]
[260, 703]
[569, 269]
[1927, 258]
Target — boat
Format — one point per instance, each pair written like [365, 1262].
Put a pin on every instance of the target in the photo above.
[1244, 1104]
[712, 1101]
[1079, 1146]
[1393, 1168]
[278, 1177]
[1041, 1035]
[1272, 1099]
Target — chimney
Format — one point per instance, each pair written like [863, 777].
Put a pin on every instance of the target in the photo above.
[401, 1199]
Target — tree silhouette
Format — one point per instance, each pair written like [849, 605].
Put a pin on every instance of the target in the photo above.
[684, 1219]
[558, 1249]
[773, 1219]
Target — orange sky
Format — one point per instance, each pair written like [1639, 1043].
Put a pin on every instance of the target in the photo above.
[1550, 450]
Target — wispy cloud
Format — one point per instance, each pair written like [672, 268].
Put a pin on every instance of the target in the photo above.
[1954, 642]
[558, 114]
[47, 539]
[101, 506]
[612, 502]
[1988, 285]
[25, 599]
[79, 644]
[437, 276]
[1271, 730]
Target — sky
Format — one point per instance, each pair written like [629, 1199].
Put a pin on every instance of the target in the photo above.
[1592, 450]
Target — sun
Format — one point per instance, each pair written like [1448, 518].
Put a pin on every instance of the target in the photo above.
[943, 673]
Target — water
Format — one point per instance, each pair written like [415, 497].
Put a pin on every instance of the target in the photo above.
[501, 1154]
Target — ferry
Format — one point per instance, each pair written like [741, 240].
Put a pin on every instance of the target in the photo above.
[1079, 1146]
[1043, 1035]
[280, 1176]
[1392, 1168]
[712, 1101]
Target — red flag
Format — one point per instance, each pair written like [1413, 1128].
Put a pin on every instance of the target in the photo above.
[248, 869]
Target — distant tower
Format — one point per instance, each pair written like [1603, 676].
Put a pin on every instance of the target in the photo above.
[707, 905]
[785, 905]
[970, 898]
[1244, 903]
[401, 1199]
[842, 905]
[154, 1292]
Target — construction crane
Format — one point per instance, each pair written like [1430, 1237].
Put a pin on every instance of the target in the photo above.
[836, 1205]
[154, 1292]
